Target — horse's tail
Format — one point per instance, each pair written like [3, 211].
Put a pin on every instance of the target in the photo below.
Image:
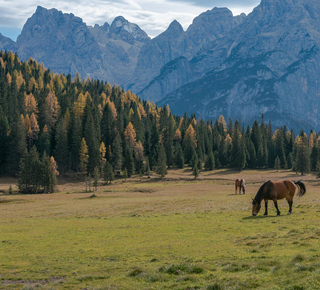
[302, 187]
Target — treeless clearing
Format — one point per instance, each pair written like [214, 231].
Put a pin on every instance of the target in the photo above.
[175, 233]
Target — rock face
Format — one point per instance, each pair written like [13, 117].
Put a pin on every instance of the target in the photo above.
[66, 44]
[267, 62]
[6, 43]
[175, 43]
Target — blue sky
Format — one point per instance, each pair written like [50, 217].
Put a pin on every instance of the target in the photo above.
[153, 16]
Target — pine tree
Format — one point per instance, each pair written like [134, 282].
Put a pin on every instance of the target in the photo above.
[161, 168]
[49, 180]
[18, 146]
[139, 156]
[128, 161]
[210, 164]
[179, 160]
[302, 159]
[154, 145]
[31, 172]
[4, 128]
[61, 152]
[116, 147]
[107, 125]
[96, 177]
[76, 137]
[93, 143]
[194, 159]
[147, 167]
[238, 154]
[44, 141]
[108, 173]
[189, 143]
[277, 164]
[195, 171]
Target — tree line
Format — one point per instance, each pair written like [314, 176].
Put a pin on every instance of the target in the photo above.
[88, 127]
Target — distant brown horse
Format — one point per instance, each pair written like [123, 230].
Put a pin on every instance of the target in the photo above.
[241, 184]
[274, 190]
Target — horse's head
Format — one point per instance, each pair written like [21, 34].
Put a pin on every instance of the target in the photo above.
[255, 207]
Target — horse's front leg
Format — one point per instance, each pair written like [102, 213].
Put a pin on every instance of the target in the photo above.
[266, 207]
[276, 205]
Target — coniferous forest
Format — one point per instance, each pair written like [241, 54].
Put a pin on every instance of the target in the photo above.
[54, 124]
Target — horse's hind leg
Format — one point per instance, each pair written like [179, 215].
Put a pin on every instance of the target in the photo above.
[266, 207]
[290, 206]
[276, 205]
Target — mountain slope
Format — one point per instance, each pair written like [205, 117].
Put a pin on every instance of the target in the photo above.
[268, 64]
[176, 43]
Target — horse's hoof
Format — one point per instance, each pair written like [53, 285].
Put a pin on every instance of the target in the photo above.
[289, 213]
[278, 213]
[265, 214]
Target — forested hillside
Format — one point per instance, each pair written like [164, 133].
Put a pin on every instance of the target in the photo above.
[89, 126]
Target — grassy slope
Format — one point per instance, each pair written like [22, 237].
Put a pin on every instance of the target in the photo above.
[177, 233]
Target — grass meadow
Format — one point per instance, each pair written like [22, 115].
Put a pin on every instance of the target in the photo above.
[175, 233]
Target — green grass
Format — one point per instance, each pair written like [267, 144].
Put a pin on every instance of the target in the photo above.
[174, 236]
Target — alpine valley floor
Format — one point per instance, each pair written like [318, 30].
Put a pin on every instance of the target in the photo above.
[147, 233]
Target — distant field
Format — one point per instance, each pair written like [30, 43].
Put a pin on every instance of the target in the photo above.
[176, 233]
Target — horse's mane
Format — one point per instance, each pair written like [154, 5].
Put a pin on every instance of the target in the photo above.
[259, 194]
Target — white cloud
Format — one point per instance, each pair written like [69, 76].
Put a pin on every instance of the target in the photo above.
[153, 16]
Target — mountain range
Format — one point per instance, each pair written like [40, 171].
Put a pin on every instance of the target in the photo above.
[241, 67]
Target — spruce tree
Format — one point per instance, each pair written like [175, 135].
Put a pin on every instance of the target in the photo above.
[18, 146]
[62, 151]
[147, 168]
[96, 177]
[4, 145]
[179, 159]
[277, 164]
[107, 125]
[93, 143]
[31, 172]
[108, 173]
[128, 161]
[76, 137]
[161, 168]
[116, 147]
[209, 164]
[238, 154]
[302, 159]
[195, 171]
[49, 180]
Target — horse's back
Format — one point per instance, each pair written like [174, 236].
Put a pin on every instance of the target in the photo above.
[284, 188]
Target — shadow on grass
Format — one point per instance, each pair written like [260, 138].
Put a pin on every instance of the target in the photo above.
[262, 217]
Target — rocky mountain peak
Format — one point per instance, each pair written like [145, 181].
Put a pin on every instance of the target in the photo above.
[216, 22]
[45, 22]
[174, 28]
[122, 29]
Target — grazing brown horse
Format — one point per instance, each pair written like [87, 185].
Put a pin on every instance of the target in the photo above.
[274, 190]
[241, 184]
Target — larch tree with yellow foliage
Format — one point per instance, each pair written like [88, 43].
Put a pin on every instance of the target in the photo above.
[84, 157]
